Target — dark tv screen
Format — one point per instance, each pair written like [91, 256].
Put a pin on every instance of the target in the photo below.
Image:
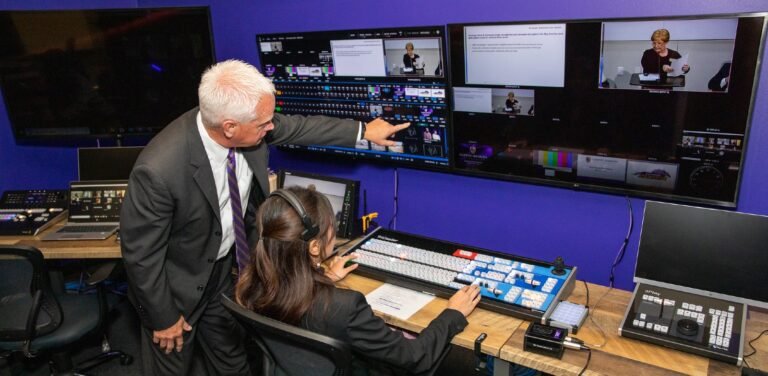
[589, 104]
[363, 75]
[95, 73]
[106, 163]
[691, 246]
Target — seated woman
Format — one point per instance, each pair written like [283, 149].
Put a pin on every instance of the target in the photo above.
[285, 281]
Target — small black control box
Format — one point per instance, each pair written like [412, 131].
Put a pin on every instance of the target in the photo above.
[545, 340]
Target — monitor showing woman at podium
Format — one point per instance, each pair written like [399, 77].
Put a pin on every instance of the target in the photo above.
[411, 60]
[683, 56]
[658, 59]
[422, 57]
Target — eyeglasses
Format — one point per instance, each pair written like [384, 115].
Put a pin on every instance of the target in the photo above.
[262, 125]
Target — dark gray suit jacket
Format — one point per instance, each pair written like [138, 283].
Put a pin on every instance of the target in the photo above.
[348, 317]
[169, 224]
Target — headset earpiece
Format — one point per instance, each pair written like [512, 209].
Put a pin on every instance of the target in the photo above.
[310, 229]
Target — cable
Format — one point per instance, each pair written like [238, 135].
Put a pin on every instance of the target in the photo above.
[589, 357]
[590, 313]
[392, 225]
[592, 319]
[586, 287]
[622, 250]
[577, 344]
[754, 351]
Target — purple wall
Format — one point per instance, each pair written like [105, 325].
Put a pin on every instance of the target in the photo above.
[535, 221]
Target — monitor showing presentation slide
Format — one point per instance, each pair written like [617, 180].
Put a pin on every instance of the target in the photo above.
[520, 55]
[395, 74]
[653, 107]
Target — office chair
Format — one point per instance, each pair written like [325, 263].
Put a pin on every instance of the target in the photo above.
[290, 350]
[33, 319]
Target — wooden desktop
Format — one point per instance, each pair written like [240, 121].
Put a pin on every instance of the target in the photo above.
[617, 355]
[80, 249]
[611, 353]
[68, 249]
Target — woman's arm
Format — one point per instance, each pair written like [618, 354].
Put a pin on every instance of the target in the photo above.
[369, 335]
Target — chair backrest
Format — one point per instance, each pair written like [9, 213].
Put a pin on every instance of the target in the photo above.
[25, 288]
[290, 350]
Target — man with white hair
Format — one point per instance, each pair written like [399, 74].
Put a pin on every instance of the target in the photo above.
[188, 215]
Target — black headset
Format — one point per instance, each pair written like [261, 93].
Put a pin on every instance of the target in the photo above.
[310, 229]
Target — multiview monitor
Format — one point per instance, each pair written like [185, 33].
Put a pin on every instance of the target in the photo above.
[650, 107]
[397, 74]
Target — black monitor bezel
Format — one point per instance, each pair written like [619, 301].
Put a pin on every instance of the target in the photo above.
[372, 158]
[120, 133]
[454, 29]
[686, 285]
[83, 157]
[352, 187]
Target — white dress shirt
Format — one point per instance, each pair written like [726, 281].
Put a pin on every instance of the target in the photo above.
[217, 155]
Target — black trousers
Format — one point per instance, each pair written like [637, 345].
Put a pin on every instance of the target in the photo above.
[214, 346]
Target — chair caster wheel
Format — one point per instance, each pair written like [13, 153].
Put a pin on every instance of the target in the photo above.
[126, 360]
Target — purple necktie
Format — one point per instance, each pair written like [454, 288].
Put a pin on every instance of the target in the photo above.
[241, 241]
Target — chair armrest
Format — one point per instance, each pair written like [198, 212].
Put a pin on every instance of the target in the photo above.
[102, 272]
[34, 312]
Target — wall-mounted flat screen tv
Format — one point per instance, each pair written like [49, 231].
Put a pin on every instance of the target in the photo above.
[649, 107]
[397, 74]
[97, 73]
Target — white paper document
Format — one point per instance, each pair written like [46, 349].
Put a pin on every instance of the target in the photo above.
[677, 66]
[397, 301]
[649, 77]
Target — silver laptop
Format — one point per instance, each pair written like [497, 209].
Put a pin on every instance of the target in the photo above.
[94, 210]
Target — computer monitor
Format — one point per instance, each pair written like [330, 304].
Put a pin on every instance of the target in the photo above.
[107, 163]
[397, 74]
[589, 104]
[342, 193]
[705, 251]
